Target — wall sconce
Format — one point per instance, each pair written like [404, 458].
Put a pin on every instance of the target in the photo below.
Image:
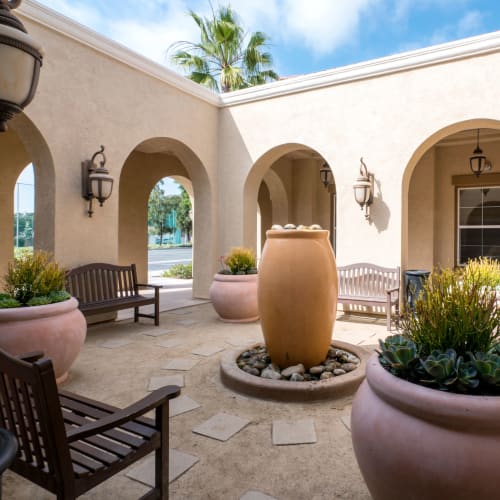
[478, 161]
[96, 181]
[325, 175]
[20, 62]
[363, 189]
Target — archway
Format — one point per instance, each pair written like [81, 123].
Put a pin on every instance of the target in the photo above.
[286, 185]
[436, 230]
[150, 161]
[21, 145]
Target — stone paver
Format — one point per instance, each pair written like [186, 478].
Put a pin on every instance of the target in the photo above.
[182, 404]
[346, 420]
[256, 495]
[221, 426]
[186, 322]
[183, 364]
[157, 382]
[178, 463]
[169, 343]
[207, 350]
[157, 332]
[115, 343]
[297, 432]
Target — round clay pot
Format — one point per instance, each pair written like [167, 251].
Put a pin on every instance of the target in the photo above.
[414, 442]
[58, 330]
[234, 297]
[297, 294]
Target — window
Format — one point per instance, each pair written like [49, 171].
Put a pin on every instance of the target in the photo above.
[478, 223]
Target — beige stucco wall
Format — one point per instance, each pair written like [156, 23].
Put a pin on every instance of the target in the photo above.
[87, 98]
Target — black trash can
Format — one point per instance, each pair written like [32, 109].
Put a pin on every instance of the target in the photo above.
[415, 278]
[8, 450]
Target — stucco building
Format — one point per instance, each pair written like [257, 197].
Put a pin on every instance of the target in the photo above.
[251, 158]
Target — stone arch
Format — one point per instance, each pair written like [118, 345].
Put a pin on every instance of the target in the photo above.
[22, 144]
[427, 237]
[304, 200]
[148, 162]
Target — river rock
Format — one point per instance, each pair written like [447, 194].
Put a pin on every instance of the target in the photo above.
[270, 374]
[287, 372]
[349, 367]
[316, 370]
[251, 370]
[296, 377]
[326, 375]
[338, 371]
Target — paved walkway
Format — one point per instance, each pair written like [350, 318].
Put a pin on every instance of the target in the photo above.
[224, 445]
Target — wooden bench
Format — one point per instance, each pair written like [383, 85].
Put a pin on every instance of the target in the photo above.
[102, 288]
[67, 443]
[370, 285]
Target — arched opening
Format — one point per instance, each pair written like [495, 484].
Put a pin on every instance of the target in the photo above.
[148, 163]
[449, 214]
[285, 186]
[24, 209]
[21, 145]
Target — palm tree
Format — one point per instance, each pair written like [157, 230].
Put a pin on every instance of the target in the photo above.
[220, 60]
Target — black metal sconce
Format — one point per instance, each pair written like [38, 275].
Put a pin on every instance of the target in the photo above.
[325, 175]
[478, 161]
[20, 62]
[96, 181]
[363, 189]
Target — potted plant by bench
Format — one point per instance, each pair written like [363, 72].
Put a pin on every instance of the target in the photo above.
[233, 291]
[37, 314]
[425, 422]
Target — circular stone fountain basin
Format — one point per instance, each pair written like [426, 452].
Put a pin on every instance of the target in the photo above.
[284, 390]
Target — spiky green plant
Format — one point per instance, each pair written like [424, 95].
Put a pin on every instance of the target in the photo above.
[35, 275]
[455, 311]
[240, 261]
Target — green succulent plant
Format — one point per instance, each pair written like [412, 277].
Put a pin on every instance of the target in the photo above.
[455, 316]
[33, 279]
[239, 261]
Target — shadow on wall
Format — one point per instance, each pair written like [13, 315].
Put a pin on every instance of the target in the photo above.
[379, 211]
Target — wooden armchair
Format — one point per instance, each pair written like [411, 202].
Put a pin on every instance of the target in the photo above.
[67, 443]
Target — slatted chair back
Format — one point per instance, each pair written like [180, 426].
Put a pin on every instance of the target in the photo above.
[101, 282]
[30, 409]
[367, 280]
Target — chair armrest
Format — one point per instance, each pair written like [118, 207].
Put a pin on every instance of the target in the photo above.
[147, 285]
[30, 357]
[157, 398]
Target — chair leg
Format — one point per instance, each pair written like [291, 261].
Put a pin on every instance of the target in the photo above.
[157, 307]
[136, 314]
[161, 454]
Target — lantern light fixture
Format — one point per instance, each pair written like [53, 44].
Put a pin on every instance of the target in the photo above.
[325, 175]
[96, 181]
[478, 161]
[20, 61]
[363, 189]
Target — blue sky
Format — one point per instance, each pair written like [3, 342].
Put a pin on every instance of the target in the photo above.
[306, 35]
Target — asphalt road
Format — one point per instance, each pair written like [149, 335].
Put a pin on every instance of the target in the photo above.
[161, 259]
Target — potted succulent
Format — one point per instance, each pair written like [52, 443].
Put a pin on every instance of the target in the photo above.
[425, 422]
[233, 291]
[37, 314]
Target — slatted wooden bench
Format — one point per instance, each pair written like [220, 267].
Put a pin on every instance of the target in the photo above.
[370, 285]
[68, 444]
[102, 288]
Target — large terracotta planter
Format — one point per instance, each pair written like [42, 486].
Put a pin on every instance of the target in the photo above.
[413, 442]
[58, 330]
[297, 295]
[234, 297]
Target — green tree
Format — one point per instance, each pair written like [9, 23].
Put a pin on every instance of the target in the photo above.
[158, 210]
[222, 60]
[184, 220]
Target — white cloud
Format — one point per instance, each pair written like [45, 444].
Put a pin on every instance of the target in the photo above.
[153, 38]
[470, 23]
[322, 25]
